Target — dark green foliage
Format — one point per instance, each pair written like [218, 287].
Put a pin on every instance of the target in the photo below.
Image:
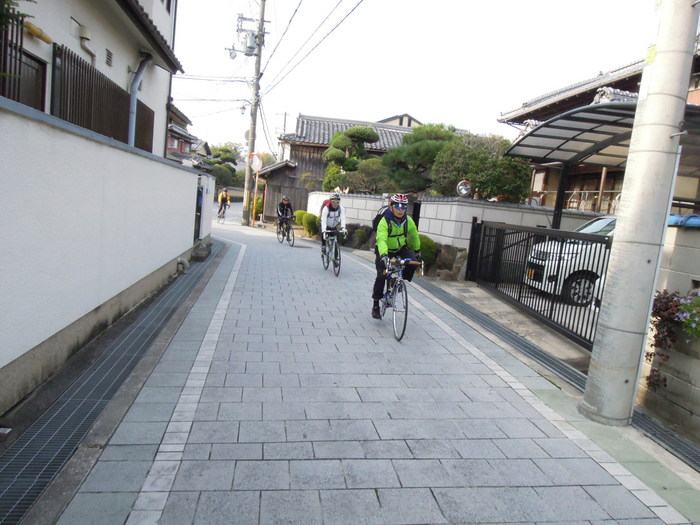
[371, 177]
[351, 164]
[223, 175]
[362, 134]
[6, 16]
[335, 178]
[341, 141]
[309, 223]
[428, 251]
[362, 235]
[409, 166]
[334, 155]
[480, 160]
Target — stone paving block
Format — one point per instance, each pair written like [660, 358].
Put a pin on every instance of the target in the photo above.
[370, 473]
[261, 475]
[204, 475]
[350, 507]
[261, 432]
[477, 448]
[221, 394]
[570, 504]
[519, 472]
[418, 429]
[481, 429]
[214, 432]
[157, 379]
[338, 449]
[386, 449]
[215, 379]
[560, 448]
[298, 450]
[296, 506]
[139, 433]
[253, 394]
[180, 508]
[316, 474]
[352, 430]
[575, 471]
[409, 506]
[129, 452]
[319, 395]
[225, 508]
[519, 428]
[492, 505]
[423, 473]
[197, 451]
[240, 411]
[280, 380]
[296, 368]
[116, 476]
[283, 411]
[520, 448]
[432, 448]
[619, 502]
[206, 412]
[237, 451]
[98, 508]
[246, 379]
[158, 394]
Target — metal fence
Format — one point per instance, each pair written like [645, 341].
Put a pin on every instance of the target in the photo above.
[557, 276]
[11, 42]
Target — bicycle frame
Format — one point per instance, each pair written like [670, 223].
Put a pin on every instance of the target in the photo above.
[396, 296]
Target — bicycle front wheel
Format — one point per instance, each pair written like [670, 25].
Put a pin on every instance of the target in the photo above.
[336, 259]
[280, 233]
[400, 309]
[290, 236]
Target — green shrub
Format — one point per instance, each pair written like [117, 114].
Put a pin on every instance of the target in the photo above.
[309, 221]
[428, 250]
[299, 216]
[362, 235]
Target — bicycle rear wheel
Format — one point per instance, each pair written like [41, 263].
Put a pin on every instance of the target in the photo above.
[400, 308]
[325, 258]
[280, 233]
[336, 259]
[290, 236]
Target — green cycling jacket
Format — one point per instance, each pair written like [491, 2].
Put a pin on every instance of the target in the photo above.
[391, 237]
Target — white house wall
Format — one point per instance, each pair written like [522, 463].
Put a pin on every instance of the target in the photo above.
[109, 29]
[82, 219]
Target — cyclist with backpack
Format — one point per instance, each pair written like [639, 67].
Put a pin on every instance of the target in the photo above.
[224, 201]
[397, 235]
[331, 216]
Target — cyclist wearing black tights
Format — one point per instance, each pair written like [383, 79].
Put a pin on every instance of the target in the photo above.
[284, 209]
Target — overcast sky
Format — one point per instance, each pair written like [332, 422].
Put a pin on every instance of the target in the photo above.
[457, 62]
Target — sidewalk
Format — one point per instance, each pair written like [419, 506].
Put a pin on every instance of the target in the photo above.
[278, 399]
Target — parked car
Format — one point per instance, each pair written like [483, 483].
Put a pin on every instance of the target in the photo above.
[571, 267]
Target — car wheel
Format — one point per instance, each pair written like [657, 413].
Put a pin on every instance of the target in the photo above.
[579, 289]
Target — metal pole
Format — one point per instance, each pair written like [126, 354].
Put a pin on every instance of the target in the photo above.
[620, 338]
[245, 216]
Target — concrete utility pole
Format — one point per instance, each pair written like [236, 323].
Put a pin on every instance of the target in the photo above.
[259, 40]
[619, 344]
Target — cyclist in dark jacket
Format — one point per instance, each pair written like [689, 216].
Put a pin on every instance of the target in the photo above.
[284, 209]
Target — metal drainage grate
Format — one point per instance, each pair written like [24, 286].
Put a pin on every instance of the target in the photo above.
[32, 461]
[668, 439]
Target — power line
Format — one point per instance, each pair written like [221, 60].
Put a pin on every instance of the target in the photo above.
[307, 40]
[312, 49]
[282, 37]
[207, 78]
[266, 131]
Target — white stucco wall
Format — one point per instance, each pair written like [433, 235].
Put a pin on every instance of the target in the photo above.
[82, 218]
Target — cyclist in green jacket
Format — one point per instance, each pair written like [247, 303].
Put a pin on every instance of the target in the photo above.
[397, 235]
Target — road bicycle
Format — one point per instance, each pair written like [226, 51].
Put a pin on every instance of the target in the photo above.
[285, 231]
[396, 296]
[332, 252]
[221, 217]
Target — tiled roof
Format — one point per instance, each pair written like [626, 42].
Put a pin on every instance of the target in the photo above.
[149, 29]
[604, 79]
[320, 130]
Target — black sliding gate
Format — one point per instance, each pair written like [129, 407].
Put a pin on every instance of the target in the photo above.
[557, 276]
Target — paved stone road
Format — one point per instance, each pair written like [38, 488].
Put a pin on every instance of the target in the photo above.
[279, 400]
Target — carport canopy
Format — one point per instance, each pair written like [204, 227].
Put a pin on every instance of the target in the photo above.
[599, 135]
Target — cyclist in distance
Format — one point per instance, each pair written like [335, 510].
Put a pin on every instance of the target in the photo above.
[397, 235]
[332, 216]
[284, 210]
[224, 200]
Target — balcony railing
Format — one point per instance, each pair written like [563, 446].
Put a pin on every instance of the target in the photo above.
[584, 200]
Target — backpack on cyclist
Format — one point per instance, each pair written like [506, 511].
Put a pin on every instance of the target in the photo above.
[324, 204]
[380, 216]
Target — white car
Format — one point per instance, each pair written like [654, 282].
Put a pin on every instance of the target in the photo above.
[571, 267]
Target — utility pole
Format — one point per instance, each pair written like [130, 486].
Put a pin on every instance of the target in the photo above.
[259, 40]
[614, 371]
